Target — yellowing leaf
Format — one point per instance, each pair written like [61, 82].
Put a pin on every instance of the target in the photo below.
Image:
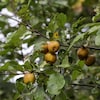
[81, 1]
[55, 35]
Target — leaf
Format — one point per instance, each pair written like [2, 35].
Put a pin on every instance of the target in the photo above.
[75, 74]
[61, 19]
[38, 45]
[11, 66]
[52, 27]
[20, 86]
[2, 4]
[78, 22]
[39, 94]
[98, 32]
[3, 21]
[14, 38]
[96, 18]
[76, 39]
[55, 35]
[65, 62]
[16, 96]
[93, 29]
[58, 21]
[61, 96]
[24, 13]
[34, 20]
[55, 83]
[97, 40]
[27, 65]
[61, 3]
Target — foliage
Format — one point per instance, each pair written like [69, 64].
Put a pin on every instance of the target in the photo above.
[40, 21]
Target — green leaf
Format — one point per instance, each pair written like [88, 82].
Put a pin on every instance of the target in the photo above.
[34, 20]
[75, 74]
[80, 63]
[20, 86]
[27, 65]
[14, 38]
[76, 39]
[78, 22]
[55, 83]
[11, 66]
[61, 96]
[19, 1]
[52, 27]
[58, 20]
[61, 19]
[96, 18]
[93, 29]
[98, 32]
[3, 21]
[24, 13]
[38, 45]
[65, 62]
[16, 96]
[61, 3]
[97, 40]
[33, 57]
[2, 4]
[39, 94]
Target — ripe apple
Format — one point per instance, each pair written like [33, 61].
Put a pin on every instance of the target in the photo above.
[82, 53]
[53, 46]
[90, 60]
[50, 58]
[29, 78]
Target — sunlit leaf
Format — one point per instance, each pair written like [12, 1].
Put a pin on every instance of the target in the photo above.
[61, 19]
[14, 38]
[76, 39]
[93, 29]
[75, 74]
[11, 66]
[55, 83]
[65, 62]
[96, 18]
[39, 94]
[97, 40]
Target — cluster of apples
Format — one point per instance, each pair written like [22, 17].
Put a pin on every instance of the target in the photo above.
[83, 54]
[49, 49]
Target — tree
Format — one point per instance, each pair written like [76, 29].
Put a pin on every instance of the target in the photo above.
[59, 73]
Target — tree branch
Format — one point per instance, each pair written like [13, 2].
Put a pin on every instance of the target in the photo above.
[30, 28]
[40, 34]
[11, 74]
[86, 85]
[94, 48]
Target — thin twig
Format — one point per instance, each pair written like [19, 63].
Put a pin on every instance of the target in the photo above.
[95, 48]
[86, 85]
[30, 28]
[11, 73]
[40, 34]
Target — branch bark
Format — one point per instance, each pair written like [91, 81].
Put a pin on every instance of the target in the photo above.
[86, 85]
